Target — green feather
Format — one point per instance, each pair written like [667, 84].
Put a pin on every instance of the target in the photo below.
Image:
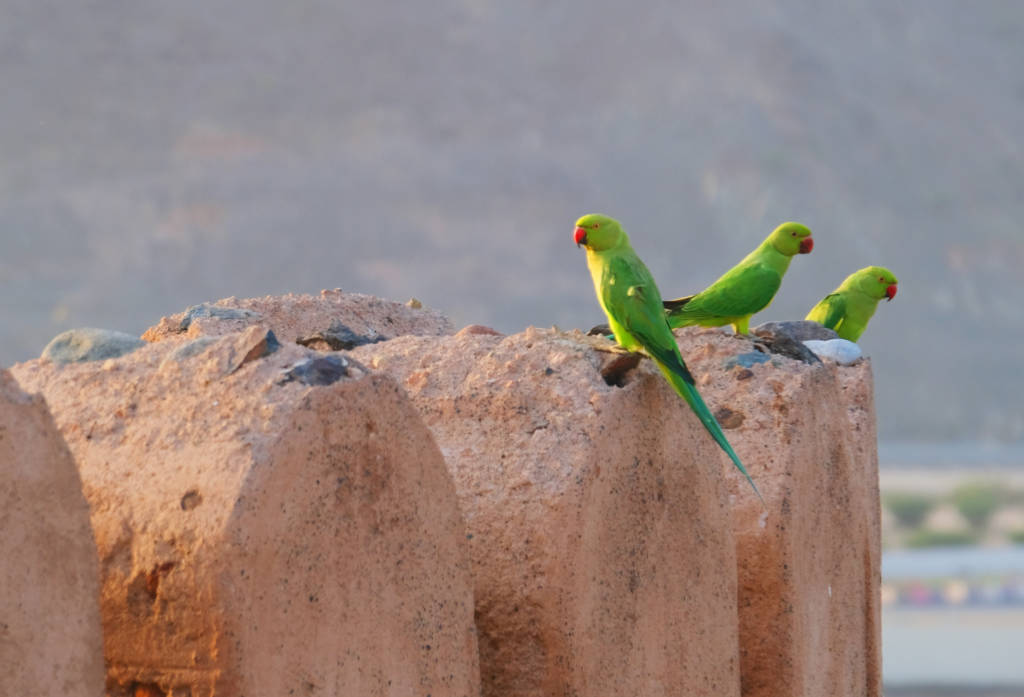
[850, 307]
[831, 310]
[743, 290]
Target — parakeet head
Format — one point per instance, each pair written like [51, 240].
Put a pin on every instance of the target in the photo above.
[876, 281]
[792, 238]
[598, 232]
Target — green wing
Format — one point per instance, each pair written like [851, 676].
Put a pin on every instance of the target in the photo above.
[631, 299]
[653, 333]
[830, 311]
[742, 291]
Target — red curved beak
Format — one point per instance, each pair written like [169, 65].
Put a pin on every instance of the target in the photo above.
[580, 236]
[806, 245]
[890, 292]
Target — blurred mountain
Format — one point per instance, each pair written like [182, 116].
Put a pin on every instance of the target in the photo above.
[154, 155]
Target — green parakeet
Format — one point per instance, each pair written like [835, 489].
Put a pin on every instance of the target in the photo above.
[746, 288]
[848, 308]
[630, 298]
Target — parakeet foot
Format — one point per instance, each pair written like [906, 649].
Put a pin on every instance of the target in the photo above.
[616, 349]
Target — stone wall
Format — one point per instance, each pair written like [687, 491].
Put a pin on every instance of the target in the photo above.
[602, 552]
[262, 529]
[809, 563]
[50, 638]
[428, 513]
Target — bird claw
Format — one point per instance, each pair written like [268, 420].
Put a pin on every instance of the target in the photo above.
[615, 349]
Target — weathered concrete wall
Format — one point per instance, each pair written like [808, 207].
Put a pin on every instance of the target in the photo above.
[809, 564]
[857, 387]
[50, 637]
[601, 532]
[263, 529]
[262, 536]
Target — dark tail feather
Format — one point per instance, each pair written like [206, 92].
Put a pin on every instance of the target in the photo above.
[671, 305]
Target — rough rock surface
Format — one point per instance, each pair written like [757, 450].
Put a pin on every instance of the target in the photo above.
[81, 345]
[600, 531]
[262, 536]
[50, 638]
[797, 330]
[857, 385]
[355, 317]
[809, 563]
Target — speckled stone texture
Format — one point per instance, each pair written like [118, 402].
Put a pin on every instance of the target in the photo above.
[602, 546]
[262, 536]
[292, 316]
[809, 563]
[50, 637]
[273, 519]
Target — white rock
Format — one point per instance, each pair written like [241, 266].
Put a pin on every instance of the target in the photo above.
[841, 351]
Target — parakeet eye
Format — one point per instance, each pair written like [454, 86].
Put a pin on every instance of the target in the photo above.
[597, 225]
[881, 279]
[793, 233]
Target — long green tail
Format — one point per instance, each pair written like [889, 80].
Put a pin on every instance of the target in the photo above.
[689, 392]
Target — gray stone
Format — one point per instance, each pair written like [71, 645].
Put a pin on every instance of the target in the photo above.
[322, 370]
[208, 310]
[797, 330]
[788, 347]
[786, 338]
[81, 345]
[338, 337]
[747, 360]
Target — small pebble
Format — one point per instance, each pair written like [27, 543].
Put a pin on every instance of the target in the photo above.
[322, 370]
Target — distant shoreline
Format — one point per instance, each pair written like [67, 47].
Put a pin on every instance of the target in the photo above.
[957, 455]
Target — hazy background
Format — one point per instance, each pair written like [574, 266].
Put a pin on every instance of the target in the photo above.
[158, 154]
[154, 155]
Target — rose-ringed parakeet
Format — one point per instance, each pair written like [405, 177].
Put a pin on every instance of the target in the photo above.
[746, 288]
[630, 298]
[848, 308]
